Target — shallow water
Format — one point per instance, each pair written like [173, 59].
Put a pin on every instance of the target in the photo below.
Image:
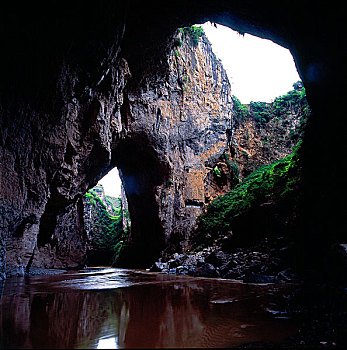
[118, 308]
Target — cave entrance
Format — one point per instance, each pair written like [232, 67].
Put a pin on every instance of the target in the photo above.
[143, 172]
[106, 220]
[121, 214]
[270, 109]
[258, 69]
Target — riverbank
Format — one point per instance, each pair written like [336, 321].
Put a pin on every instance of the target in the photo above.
[266, 261]
[33, 272]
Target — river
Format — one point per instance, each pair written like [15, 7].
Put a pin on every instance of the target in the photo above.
[118, 308]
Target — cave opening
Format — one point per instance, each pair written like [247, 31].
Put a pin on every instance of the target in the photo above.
[106, 220]
[35, 44]
[258, 69]
[121, 214]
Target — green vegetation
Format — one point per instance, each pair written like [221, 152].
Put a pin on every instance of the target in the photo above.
[233, 168]
[293, 102]
[260, 111]
[193, 33]
[106, 230]
[217, 172]
[269, 182]
[241, 111]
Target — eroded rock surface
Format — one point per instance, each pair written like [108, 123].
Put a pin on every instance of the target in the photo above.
[170, 137]
[64, 112]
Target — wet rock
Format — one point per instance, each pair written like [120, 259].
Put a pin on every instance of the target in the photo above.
[232, 274]
[172, 263]
[228, 267]
[157, 267]
[179, 259]
[192, 270]
[200, 262]
[218, 258]
[287, 275]
[182, 270]
[206, 270]
[252, 277]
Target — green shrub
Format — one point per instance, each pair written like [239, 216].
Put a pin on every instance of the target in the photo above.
[274, 181]
[217, 172]
[241, 111]
[262, 112]
[193, 33]
[106, 230]
[233, 168]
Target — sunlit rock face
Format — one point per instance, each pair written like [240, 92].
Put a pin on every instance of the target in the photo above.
[176, 129]
[162, 134]
[64, 113]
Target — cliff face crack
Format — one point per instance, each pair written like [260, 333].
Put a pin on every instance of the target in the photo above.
[191, 203]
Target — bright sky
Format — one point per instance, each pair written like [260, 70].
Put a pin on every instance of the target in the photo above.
[112, 183]
[258, 70]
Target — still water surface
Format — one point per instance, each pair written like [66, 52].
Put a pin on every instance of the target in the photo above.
[118, 308]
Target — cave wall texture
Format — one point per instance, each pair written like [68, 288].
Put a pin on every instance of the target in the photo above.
[73, 72]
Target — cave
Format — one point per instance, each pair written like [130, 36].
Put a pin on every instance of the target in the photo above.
[140, 171]
[84, 89]
[60, 74]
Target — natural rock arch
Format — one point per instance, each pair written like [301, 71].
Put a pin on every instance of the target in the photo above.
[141, 172]
[62, 65]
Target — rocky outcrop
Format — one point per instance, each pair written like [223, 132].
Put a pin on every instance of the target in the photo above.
[62, 112]
[113, 204]
[180, 120]
[159, 135]
[263, 136]
[171, 138]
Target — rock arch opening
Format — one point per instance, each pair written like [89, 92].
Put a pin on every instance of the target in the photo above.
[142, 172]
[125, 229]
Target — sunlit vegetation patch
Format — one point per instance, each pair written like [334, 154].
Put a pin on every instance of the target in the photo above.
[294, 102]
[193, 33]
[278, 180]
[106, 229]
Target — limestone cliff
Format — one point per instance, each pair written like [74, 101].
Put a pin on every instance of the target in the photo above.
[180, 119]
[173, 138]
[161, 135]
[266, 132]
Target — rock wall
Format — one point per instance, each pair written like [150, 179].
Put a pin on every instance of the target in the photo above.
[166, 135]
[160, 135]
[63, 80]
[256, 142]
[182, 117]
[51, 136]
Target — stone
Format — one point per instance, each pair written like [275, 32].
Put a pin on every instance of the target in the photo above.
[287, 275]
[157, 267]
[252, 277]
[218, 258]
[63, 118]
[206, 270]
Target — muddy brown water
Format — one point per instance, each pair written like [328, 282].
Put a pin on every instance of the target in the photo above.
[118, 308]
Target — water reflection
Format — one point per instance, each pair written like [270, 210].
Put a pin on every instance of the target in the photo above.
[146, 310]
[107, 343]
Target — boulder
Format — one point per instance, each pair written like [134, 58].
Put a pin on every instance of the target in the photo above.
[252, 277]
[158, 267]
[206, 270]
[218, 258]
